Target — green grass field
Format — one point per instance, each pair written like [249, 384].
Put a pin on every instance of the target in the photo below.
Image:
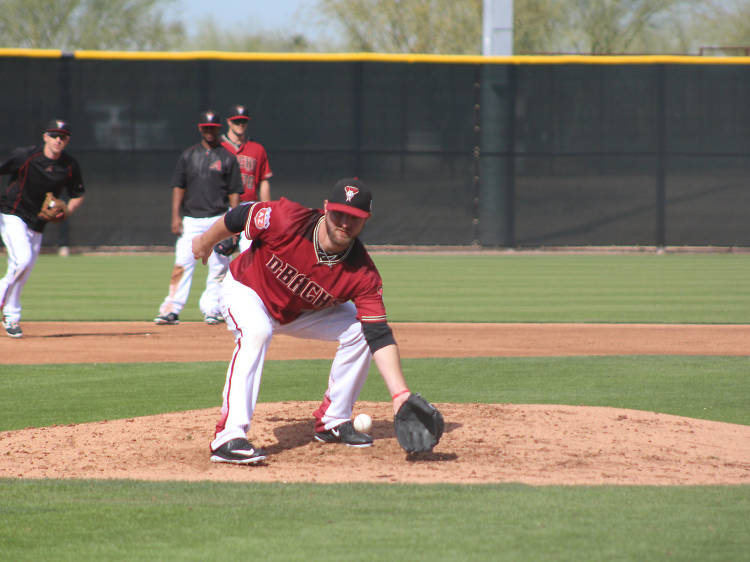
[124, 520]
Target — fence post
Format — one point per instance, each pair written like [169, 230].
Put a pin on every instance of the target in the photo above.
[496, 223]
[661, 152]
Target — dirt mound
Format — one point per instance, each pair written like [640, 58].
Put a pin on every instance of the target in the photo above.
[483, 443]
[533, 444]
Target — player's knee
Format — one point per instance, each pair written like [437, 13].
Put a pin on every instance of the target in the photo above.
[177, 273]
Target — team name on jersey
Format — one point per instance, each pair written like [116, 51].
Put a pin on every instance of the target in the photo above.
[299, 284]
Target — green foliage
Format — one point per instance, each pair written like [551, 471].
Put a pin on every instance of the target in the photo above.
[88, 24]
[417, 26]
[213, 37]
[120, 520]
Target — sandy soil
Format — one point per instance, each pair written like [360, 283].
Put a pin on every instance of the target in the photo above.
[533, 444]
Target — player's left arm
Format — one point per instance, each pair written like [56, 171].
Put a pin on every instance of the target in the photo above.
[74, 203]
[264, 190]
[388, 361]
[379, 336]
[75, 189]
[264, 173]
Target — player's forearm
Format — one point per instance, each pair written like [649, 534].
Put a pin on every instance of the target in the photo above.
[73, 204]
[234, 200]
[178, 194]
[215, 234]
[264, 190]
[388, 362]
[204, 244]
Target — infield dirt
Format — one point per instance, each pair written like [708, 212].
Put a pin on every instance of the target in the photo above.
[483, 443]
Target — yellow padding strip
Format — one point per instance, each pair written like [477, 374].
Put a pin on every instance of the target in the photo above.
[377, 57]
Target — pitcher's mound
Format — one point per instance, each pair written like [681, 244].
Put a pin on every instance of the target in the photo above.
[483, 443]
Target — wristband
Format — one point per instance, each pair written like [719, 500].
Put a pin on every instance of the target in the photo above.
[400, 393]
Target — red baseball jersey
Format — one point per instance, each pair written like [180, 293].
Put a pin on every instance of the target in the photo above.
[254, 165]
[284, 267]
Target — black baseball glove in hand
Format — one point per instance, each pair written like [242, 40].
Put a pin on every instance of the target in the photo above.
[227, 246]
[419, 425]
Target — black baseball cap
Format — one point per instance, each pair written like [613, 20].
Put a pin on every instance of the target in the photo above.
[350, 196]
[238, 113]
[209, 118]
[58, 126]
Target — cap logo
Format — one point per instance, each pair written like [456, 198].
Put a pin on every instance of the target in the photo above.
[240, 109]
[350, 192]
[60, 124]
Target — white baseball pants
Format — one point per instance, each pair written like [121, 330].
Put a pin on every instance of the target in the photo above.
[23, 246]
[244, 242]
[184, 267]
[253, 329]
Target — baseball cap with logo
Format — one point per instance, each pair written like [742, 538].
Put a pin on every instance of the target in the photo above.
[350, 196]
[209, 118]
[238, 113]
[58, 126]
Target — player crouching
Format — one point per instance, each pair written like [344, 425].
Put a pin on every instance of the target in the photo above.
[308, 275]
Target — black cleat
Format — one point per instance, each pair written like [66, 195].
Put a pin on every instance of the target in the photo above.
[167, 319]
[238, 451]
[13, 329]
[346, 434]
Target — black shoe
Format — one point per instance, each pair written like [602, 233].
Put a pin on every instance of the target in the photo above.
[213, 319]
[167, 319]
[344, 433]
[238, 451]
[13, 329]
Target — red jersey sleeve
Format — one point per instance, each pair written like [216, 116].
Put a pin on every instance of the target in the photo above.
[258, 220]
[370, 307]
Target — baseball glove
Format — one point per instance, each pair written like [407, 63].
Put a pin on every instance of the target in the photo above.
[53, 209]
[419, 425]
[227, 246]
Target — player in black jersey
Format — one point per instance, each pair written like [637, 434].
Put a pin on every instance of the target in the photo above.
[206, 183]
[34, 171]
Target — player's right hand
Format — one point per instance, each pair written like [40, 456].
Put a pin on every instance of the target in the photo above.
[176, 225]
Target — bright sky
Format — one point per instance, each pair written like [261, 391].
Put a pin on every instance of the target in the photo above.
[252, 14]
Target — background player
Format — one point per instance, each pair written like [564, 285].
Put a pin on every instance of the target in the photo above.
[34, 171]
[253, 160]
[307, 275]
[206, 183]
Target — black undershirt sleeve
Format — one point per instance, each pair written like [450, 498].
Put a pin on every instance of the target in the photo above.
[378, 335]
[235, 219]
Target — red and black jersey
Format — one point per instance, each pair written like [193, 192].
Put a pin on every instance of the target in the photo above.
[254, 166]
[284, 268]
[208, 176]
[32, 175]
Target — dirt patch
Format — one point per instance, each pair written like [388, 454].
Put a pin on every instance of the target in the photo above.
[121, 342]
[483, 443]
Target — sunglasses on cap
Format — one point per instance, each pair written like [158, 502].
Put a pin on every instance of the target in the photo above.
[62, 136]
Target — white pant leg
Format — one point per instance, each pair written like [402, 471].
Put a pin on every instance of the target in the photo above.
[184, 266]
[244, 242]
[350, 366]
[248, 319]
[23, 246]
[210, 301]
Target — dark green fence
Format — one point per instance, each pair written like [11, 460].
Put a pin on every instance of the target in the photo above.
[517, 152]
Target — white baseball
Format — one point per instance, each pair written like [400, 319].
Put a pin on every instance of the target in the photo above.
[363, 423]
